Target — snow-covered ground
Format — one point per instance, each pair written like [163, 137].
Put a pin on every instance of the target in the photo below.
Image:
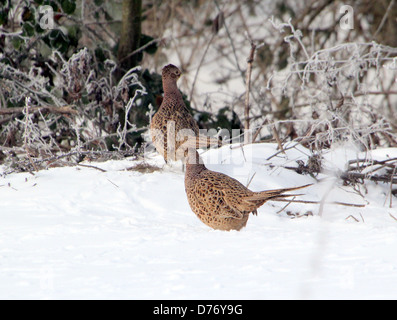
[81, 233]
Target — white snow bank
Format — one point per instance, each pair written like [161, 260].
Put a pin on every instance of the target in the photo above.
[80, 233]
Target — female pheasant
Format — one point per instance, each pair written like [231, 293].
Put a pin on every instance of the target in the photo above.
[173, 125]
[220, 201]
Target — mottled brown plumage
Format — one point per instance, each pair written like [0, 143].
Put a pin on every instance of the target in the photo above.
[220, 201]
[171, 118]
[172, 124]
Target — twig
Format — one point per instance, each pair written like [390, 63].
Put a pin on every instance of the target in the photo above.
[383, 19]
[26, 134]
[362, 217]
[319, 202]
[391, 187]
[62, 110]
[217, 24]
[278, 152]
[368, 163]
[199, 66]
[250, 180]
[90, 166]
[348, 176]
[231, 41]
[250, 60]
[259, 129]
[113, 183]
[142, 48]
[350, 216]
[277, 137]
[289, 202]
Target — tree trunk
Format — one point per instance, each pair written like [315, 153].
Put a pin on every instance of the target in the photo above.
[130, 35]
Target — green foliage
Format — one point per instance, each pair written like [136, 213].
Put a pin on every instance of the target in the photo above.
[224, 119]
[152, 48]
[68, 6]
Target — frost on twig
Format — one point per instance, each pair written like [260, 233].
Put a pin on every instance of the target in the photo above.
[74, 109]
[336, 93]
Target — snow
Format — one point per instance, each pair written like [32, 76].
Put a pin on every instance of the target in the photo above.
[80, 233]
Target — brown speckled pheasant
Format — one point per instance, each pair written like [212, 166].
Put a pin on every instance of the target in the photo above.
[220, 201]
[173, 124]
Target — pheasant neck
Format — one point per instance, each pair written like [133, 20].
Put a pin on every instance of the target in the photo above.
[194, 163]
[170, 87]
